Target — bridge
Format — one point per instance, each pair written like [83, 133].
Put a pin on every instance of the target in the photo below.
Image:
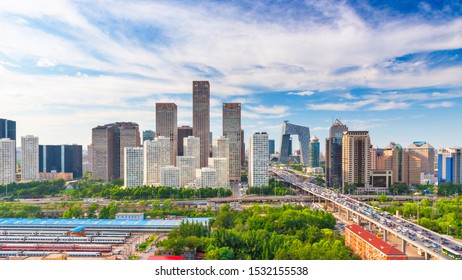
[431, 243]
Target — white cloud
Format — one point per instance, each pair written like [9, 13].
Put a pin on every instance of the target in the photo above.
[46, 62]
[441, 104]
[302, 93]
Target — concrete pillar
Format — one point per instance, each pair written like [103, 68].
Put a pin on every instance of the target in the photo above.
[370, 226]
[427, 256]
[403, 247]
[385, 235]
[348, 214]
[358, 220]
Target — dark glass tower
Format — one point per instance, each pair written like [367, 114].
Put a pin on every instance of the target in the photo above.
[334, 154]
[61, 158]
[7, 129]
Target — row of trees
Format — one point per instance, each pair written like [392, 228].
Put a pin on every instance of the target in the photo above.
[274, 188]
[262, 233]
[112, 190]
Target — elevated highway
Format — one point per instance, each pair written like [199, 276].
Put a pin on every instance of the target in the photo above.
[432, 243]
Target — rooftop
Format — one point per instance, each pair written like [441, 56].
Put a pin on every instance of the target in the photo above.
[378, 243]
[73, 223]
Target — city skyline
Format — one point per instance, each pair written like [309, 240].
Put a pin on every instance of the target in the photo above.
[386, 68]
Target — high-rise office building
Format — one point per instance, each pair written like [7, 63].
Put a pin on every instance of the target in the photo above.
[313, 152]
[221, 147]
[192, 148]
[156, 156]
[186, 164]
[356, 159]
[206, 177]
[129, 136]
[444, 165]
[242, 148]
[183, 132]
[133, 167]
[170, 176]
[303, 134]
[456, 156]
[166, 125]
[148, 135]
[220, 164]
[7, 161]
[259, 160]
[334, 154]
[449, 165]
[271, 146]
[426, 153]
[412, 167]
[108, 143]
[201, 118]
[29, 158]
[391, 158]
[61, 159]
[8, 129]
[233, 132]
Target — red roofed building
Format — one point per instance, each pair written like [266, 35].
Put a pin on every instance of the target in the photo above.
[369, 247]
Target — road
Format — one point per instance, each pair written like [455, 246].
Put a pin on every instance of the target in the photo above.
[428, 241]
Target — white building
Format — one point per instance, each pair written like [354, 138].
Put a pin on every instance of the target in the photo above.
[29, 158]
[259, 159]
[186, 164]
[7, 161]
[206, 177]
[133, 167]
[156, 156]
[170, 176]
[220, 148]
[221, 165]
[192, 148]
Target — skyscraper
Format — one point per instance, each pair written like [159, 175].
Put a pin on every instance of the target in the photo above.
[242, 149]
[220, 164]
[29, 158]
[183, 132]
[108, 142]
[206, 177]
[221, 147]
[170, 176]
[8, 129]
[258, 160]
[391, 158]
[334, 154]
[303, 133]
[186, 164]
[192, 148]
[156, 156]
[61, 158]
[201, 118]
[166, 125]
[232, 131]
[7, 161]
[356, 162]
[148, 135]
[133, 167]
[313, 152]
[426, 153]
[450, 165]
[129, 136]
[271, 146]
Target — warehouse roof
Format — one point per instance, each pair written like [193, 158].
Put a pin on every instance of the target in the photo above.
[97, 222]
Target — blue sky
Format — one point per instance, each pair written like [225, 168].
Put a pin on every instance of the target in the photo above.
[391, 67]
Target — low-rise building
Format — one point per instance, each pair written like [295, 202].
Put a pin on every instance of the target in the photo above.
[369, 247]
